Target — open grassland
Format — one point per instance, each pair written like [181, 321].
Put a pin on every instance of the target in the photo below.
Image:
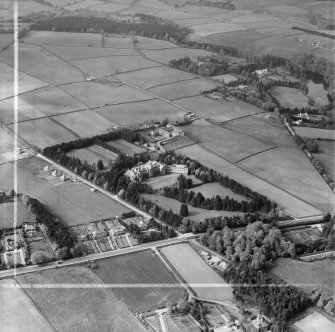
[193, 269]
[73, 203]
[26, 82]
[126, 147]
[143, 268]
[228, 144]
[165, 56]
[41, 64]
[93, 153]
[39, 103]
[95, 94]
[196, 214]
[85, 124]
[7, 214]
[85, 52]
[212, 28]
[293, 173]
[129, 114]
[17, 310]
[315, 322]
[183, 89]
[289, 97]
[217, 110]
[307, 275]
[43, 133]
[208, 190]
[82, 307]
[104, 66]
[286, 201]
[326, 134]
[150, 77]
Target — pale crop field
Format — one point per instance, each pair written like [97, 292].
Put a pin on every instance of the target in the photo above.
[193, 269]
[79, 309]
[18, 311]
[315, 322]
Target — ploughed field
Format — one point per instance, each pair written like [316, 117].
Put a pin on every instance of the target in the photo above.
[146, 275]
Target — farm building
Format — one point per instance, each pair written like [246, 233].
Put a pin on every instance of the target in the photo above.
[262, 72]
[30, 230]
[145, 171]
[117, 230]
[214, 261]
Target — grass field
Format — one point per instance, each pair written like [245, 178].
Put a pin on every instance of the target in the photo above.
[26, 82]
[39, 63]
[315, 322]
[193, 269]
[140, 268]
[162, 181]
[289, 97]
[144, 43]
[293, 173]
[196, 214]
[327, 134]
[93, 153]
[183, 89]
[17, 310]
[6, 141]
[126, 147]
[139, 112]
[307, 275]
[150, 77]
[218, 111]
[225, 78]
[7, 214]
[78, 307]
[94, 94]
[328, 162]
[212, 28]
[40, 103]
[73, 203]
[208, 190]
[180, 142]
[85, 123]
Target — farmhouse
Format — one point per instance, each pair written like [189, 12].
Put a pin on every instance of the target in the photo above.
[262, 72]
[117, 230]
[145, 171]
[30, 230]
[214, 261]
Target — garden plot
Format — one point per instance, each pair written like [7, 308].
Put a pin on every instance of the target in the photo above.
[143, 268]
[218, 111]
[289, 97]
[40, 103]
[165, 56]
[193, 269]
[126, 147]
[17, 310]
[104, 66]
[150, 77]
[85, 123]
[82, 52]
[26, 82]
[183, 89]
[289, 169]
[95, 94]
[39, 63]
[80, 305]
[128, 114]
[212, 28]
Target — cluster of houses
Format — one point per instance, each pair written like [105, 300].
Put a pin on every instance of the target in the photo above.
[153, 168]
[56, 173]
[167, 131]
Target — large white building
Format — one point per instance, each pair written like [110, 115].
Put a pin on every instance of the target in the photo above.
[180, 169]
[145, 171]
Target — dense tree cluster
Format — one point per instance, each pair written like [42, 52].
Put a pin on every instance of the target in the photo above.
[55, 230]
[305, 143]
[323, 301]
[209, 3]
[314, 32]
[256, 245]
[277, 300]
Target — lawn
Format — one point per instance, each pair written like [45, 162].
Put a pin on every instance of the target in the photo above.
[76, 303]
[128, 114]
[17, 310]
[162, 181]
[194, 270]
[95, 94]
[85, 123]
[196, 214]
[92, 154]
[307, 275]
[326, 134]
[7, 214]
[143, 268]
[26, 82]
[315, 322]
[39, 103]
[289, 97]
[39, 63]
[183, 89]
[150, 77]
[289, 169]
[126, 147]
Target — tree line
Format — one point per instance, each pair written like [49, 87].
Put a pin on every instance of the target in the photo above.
[314, 32]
